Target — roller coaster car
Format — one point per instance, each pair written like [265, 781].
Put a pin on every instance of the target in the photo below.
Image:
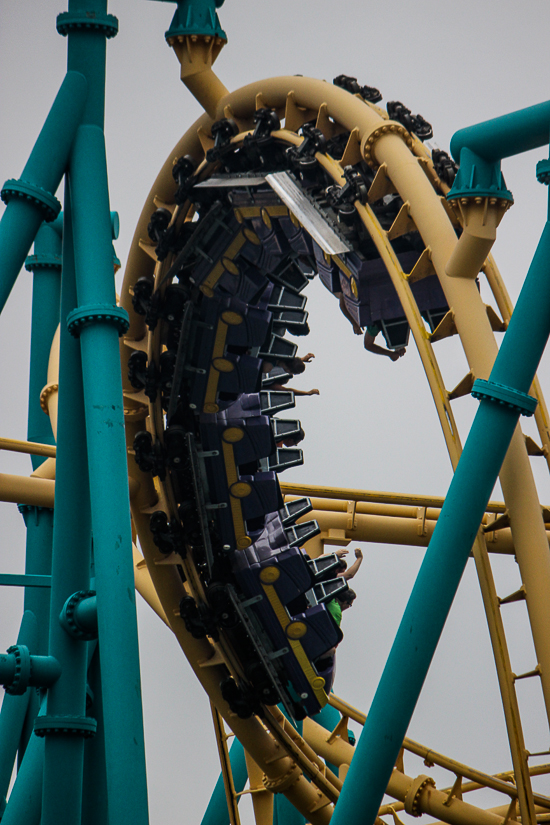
[277, 580]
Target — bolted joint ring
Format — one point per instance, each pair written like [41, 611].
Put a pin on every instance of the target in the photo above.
[506, 396]
[68, 21]
[412, 800]
[68, 620]
[45, 201]
[21, 677]
[94, 313]
[83, 726]
[388, 127]
[280, 784]
[45, 394]
[44, 261]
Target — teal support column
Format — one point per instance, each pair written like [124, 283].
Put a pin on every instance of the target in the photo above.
[45, 264]
[25, 802]
[97, 322]
[38, 561]
[94, 797]
[65, 724]
[14, 711]
[31, 199]
[502, 399]
[216, 812]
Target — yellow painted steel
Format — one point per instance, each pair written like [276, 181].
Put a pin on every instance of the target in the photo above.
[479, 779]
[39, 492]
[28, 447]
[227, 773]
[419, 795]
[339, 528]
[262, 799]
[403, 167]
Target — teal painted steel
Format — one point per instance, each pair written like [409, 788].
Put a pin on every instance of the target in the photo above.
[502, 137]
[216, 812]
[46, 266]
[14, 710]
[86, 54]
[108, 483]
[64, 754]
[448, 551]
[106, 448]
[45, 168]
[24, 580]
[478, 178]
[196, 17]
[38, 565]
[94, 799]
[25, 802]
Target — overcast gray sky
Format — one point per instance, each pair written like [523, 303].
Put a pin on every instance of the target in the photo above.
[374, 424]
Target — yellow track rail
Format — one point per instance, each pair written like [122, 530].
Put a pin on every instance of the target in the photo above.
[407, 167]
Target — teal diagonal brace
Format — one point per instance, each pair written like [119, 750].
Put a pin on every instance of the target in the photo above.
[501, 399]
[31, 199]
[25, 800]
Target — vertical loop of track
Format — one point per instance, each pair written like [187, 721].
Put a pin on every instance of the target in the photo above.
[348, 113]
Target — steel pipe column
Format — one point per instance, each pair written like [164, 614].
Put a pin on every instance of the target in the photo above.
[447, 554]
[64, 753]
[97, 321]
[45, 264]
[14, 711]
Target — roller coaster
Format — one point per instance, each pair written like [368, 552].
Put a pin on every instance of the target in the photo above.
[158, 422]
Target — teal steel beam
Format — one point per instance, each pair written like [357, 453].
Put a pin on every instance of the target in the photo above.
[94, 799]
[25, 801]
[24, 579]
[45, 264]
[30, 200]
[97, 321]
[65, 724]
[502, 399]
[502, 137]
[37, 583]
[14, 711]
[216, 812]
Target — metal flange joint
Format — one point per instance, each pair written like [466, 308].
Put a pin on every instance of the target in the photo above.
[506, 396]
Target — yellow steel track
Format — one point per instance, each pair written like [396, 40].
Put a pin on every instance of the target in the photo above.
[405, 167]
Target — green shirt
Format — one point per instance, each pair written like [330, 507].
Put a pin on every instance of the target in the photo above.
[335, 611]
